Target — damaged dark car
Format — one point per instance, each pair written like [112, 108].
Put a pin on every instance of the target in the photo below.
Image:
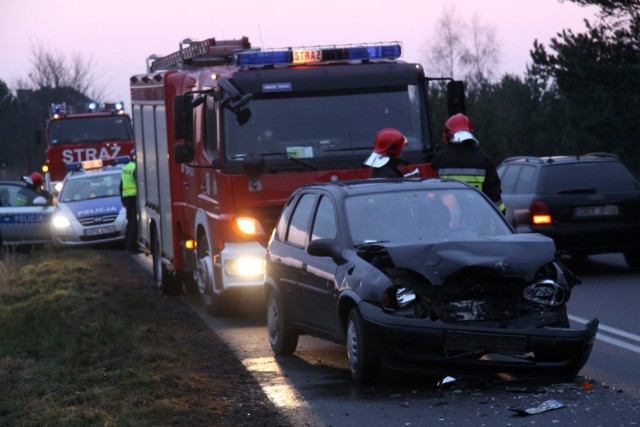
[420, 275]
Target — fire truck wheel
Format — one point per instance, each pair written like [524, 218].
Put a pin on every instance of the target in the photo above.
[217, 304]
[166, 282]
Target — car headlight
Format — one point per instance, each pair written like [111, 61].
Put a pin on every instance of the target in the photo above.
[396, 298]
[60, 221]
[553, 286]
[546, 292]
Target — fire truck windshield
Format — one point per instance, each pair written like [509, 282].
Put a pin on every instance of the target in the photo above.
[89, 129]
[326, 126]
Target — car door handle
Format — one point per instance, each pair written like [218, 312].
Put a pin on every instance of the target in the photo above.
[303, 267]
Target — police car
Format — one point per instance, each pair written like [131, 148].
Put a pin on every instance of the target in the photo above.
[89, 210]
[24, 216]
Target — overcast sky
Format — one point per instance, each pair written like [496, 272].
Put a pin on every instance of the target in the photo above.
[119, 34]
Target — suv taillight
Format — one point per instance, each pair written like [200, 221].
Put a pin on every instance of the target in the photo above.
[539, 213]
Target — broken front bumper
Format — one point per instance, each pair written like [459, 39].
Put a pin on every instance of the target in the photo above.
[436, 347]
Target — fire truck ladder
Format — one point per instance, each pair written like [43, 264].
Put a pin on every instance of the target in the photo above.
[206, 52]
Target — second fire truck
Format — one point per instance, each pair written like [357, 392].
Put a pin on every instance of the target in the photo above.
[224, 133]
[99, 131]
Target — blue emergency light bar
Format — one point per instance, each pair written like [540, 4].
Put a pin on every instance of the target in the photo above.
[113, 107]
[319, 54]
[57, 109]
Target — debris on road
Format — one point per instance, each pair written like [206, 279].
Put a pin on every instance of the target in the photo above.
[544, 407]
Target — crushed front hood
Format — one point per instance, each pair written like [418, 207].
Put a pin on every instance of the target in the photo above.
[517, 255]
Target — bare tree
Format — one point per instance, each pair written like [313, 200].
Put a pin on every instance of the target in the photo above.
[53, 70]
[483, 54]
[446, 49]
[460, 50]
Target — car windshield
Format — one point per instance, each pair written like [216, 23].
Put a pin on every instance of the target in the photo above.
[90, 129]
[586, 177]
[421, 215]
[90, 187]
[326, 126]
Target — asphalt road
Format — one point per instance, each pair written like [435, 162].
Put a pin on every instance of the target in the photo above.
[313, 387]
[610, 292]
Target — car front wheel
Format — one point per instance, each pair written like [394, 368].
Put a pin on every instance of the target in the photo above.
[282, 336]
[364, 363]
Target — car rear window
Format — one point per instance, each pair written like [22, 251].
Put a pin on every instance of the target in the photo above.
[586, 177]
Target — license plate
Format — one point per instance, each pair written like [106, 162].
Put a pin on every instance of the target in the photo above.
[99, 230]
[590, 211]
[469, 341]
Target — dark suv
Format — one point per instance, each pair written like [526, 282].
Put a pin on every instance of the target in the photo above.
[588, 204]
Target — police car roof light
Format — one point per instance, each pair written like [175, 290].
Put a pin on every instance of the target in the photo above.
[319, 54]
[121, 160]
[74, 167]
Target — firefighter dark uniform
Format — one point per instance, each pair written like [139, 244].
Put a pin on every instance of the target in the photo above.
[129, 196]
[464, 161]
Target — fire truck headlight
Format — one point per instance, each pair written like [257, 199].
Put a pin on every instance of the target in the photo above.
[245, 267]
[248, 226]
[60, 221]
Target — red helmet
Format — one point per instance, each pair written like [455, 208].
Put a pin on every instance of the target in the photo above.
[388, 144]
[457, 122]
[34, 179]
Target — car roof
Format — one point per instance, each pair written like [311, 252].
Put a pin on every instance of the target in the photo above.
[13, 182]
[563, 159]
[382, 185]
[107, 170]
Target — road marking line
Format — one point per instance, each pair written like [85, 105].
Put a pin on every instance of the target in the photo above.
[614, 331]
[617, 342]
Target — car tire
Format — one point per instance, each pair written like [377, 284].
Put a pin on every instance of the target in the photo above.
[166, 283]
[633, 259]
[364, 363]
[282, 337]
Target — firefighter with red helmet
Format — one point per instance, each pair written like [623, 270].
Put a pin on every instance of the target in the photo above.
[34, 188]
[388, 145]
[465, 161]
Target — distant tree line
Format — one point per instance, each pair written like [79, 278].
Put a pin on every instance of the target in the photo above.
[52, 79]
[580, 94]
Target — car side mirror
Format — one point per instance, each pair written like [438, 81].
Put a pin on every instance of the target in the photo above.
[326, 248]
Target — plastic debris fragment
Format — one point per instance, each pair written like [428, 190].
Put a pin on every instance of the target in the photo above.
[544, 407]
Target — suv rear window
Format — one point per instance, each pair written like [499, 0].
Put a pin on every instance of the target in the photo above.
[586, 177]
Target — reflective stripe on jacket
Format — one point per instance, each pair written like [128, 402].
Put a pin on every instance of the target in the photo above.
[128, 177]
[467, 163]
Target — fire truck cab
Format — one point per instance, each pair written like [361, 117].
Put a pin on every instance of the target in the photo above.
[225, 132]
[97, 131]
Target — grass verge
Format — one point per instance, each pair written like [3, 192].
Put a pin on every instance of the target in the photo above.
[85, 340]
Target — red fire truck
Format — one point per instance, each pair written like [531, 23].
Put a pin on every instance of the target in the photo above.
[224, 133]
[98, 132]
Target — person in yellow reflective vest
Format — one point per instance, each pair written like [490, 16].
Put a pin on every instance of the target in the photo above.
[129, 197]
[465, 161]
